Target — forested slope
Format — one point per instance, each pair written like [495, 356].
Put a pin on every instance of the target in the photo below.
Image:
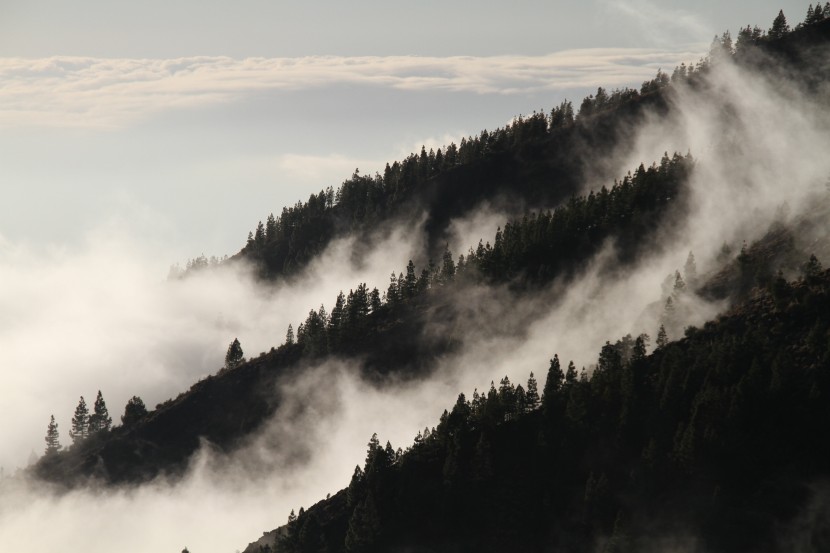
[711, 443]
[384, 331]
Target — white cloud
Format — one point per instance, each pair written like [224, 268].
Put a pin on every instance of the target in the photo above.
[98, 92]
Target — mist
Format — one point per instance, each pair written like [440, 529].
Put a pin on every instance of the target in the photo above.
[102, 318]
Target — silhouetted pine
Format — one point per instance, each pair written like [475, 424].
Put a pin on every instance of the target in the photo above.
[80, 423]
[53, 443]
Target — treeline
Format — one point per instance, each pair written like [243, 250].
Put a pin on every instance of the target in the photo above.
[536, 249]
[710, 442]
[287, 241]
[86, 425]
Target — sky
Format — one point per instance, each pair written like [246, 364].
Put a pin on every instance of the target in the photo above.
[184, 123]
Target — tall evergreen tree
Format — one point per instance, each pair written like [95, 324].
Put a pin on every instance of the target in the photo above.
[447, 266]
[553, 382]
[234, 356]
[53, 443]
[690, 270]
[364, 527]
[80, 423]
[532, 393]
[289, 335]
[779, 26]
[374, 300]
[410, 281]
[99, 419]
[570, 375]
[662, 337]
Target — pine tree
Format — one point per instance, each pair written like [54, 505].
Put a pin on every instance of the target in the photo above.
[532, 393]
[570, 375]
[810, 15]
[690, 270]
[80, 423]
[554, 380]
[393, 293]
[521, 400]
[357, 487]
[662, 338]
[679, 285]
[100, 419]
[812, 268]
[374, 300]
[410, 281]
[53, 443]
[134, 411]
[447, 266]
[779, 26]
[669, 313]
[234, 357]
[364, 527]
[289, 335]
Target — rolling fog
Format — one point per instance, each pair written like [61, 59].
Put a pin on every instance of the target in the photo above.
[105, 319]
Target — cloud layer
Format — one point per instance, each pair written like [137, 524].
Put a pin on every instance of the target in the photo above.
[98, 92]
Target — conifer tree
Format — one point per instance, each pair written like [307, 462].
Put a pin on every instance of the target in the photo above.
[570, 375]
[812, 268]
[289, 335]
[80, 423]
[669, 313]
[393, 292]
[662, 338]
[356, 489]
[410, 282]
[690, 270]
[532, 393]
[553, 382]
[234, 356]
[521, 400]
[810, 15]
[364, 527]
[447, 266]
[374, 300]
[53, 443]
[507, 395]
[134, 411]
[99, 419]
[779, 26]
[679, 285]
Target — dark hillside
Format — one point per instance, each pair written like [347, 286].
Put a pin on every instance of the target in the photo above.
[712, 443]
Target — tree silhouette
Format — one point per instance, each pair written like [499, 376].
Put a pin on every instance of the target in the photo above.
[53, 444]
[779, 26]
[134, 411]
[80, 423]
[234, 357]
[100, 419]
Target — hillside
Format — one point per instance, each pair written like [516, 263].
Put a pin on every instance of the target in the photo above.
[710, 443]
[387, 335]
